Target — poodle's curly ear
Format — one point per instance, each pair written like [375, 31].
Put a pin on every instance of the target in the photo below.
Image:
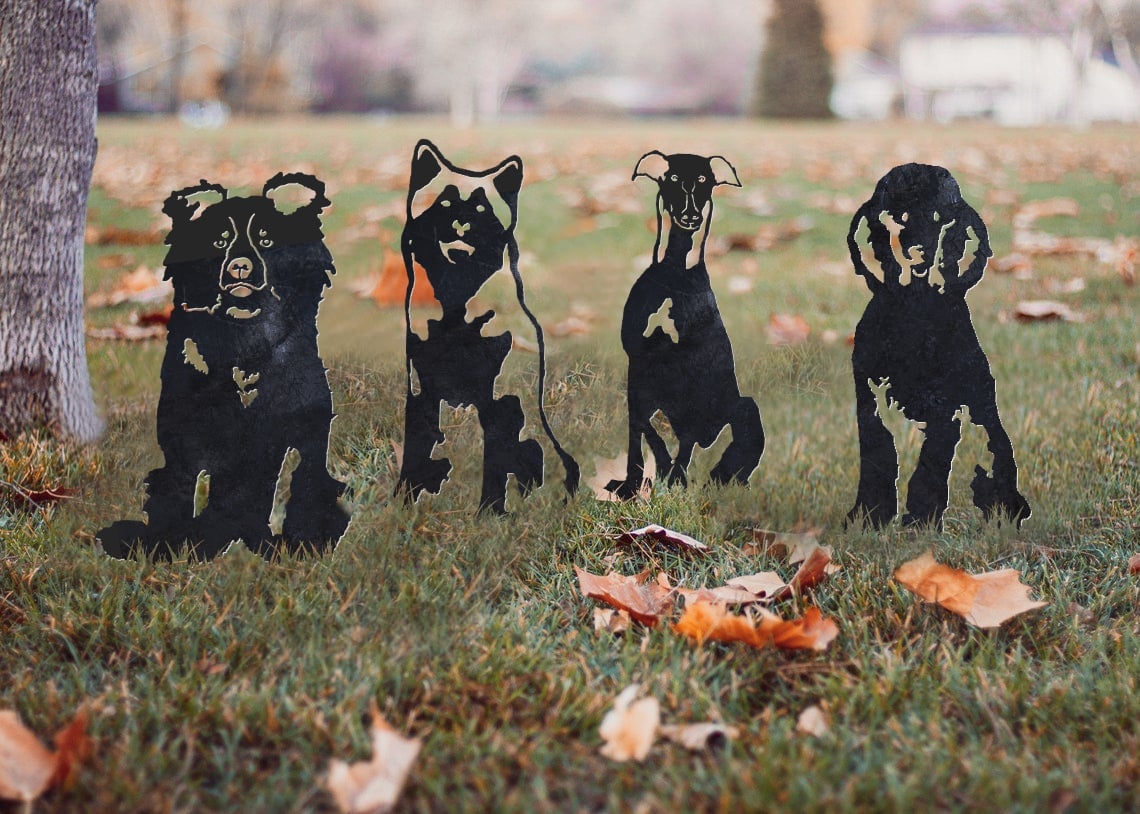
[181, 209]
[311, 192]
[865, 214]
[653, 164]
[723, 172]
[971, 267]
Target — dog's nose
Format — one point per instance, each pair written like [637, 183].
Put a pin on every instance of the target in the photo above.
[460, 228]
[240, 268]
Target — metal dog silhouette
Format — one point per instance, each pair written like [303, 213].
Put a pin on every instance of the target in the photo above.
[245, 408]
[927, 247]
[461, 231]
[680, 357]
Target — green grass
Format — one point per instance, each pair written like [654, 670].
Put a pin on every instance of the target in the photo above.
[228, 686]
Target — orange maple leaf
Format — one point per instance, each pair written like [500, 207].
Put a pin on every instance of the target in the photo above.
[705, 621]
[984, 600]
[28, 768]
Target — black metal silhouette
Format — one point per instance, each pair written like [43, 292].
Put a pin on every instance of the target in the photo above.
[242, 381]
[454, 233]
[688, 373]
[916, 339]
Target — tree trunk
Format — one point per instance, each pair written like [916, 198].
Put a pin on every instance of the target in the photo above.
[48, 85]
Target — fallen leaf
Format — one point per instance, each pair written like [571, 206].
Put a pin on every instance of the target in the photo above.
[611, 469]
[984, 600]
[630, 728]
[1044, 310]
[699, 737]
[673, 538]
[787, 329]
[812, 571]
[726, 594]
[609, 620]
[390, 285]
[573, 325]
[372, 787]
[780, 543]
[35, 498]
[766, 584]
[141, 285]
[705, 621]
[120, 332]
[27, 768]
[1134, 564]
[812, 721]
[645, 600]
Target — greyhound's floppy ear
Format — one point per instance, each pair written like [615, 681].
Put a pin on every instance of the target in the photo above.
[427, 163]
[653, 165]
[306, 193]
[723, 172]
[180, 209]
[507, 178]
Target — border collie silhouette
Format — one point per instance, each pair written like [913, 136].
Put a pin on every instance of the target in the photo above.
[920, 247]
[245, 408]
[460, 230]
[680, 358]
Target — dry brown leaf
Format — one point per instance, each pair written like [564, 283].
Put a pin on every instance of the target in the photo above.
[141, 285]
[795, 545]
[812, 721]
[726, 594]
[127, 332]
[35, 498]
[705, 621]
[787, 329]
[645, 600]
[1044, 310]
[812, 571]
[699, 737]
[1134, 564]
[765, 584]
[630, 728]
[372, 787]
[27, 768]
[664, 535]
[610, 469]
[984, 600]
[573, 325]
[609, 620]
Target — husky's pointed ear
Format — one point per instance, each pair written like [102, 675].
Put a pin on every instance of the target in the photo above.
[427, 163]
[507, 178]
[723, 172]
[180, 209]
[653, 164]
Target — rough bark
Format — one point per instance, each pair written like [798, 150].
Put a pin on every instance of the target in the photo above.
[48, 85]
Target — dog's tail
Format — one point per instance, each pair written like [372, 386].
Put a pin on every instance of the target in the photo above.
[573, 472]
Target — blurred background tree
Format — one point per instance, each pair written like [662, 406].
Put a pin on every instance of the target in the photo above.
[794, 81]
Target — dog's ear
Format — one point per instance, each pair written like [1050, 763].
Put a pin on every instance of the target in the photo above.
[723, 172]
[507, 178]
[181, 209]
[427, 163]
[866, 225]
[304, 193]
[653, 164]
[969, 232]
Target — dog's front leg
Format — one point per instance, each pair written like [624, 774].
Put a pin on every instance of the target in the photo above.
[999, 490]
[929, 488]
[877, 498]
[419, 472]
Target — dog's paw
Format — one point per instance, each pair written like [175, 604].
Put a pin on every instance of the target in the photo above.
[121, 538]
[996, 499]
[623, 489]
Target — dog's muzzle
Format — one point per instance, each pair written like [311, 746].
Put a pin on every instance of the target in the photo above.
[239, 270]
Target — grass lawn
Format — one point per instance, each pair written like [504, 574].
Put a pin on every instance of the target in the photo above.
[227, 686]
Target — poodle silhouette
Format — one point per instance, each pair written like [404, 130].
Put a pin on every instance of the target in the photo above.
[928, 247]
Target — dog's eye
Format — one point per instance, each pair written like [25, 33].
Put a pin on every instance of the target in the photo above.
[672, 177]
[265, 243]
[220, 243]
[445, 203]
[701, 179]
[480, 208]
